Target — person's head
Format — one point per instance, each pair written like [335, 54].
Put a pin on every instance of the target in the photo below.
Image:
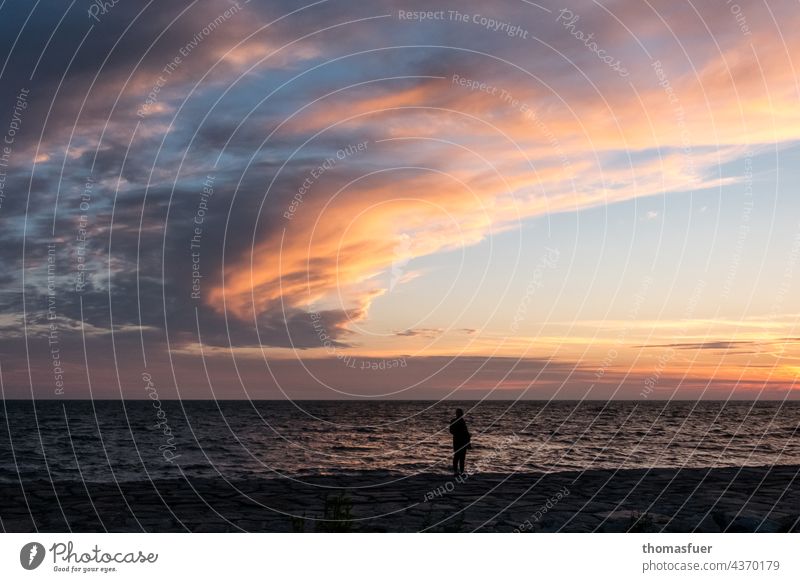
[459, 413]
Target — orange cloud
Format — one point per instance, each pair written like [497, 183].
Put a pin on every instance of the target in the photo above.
[482, 164]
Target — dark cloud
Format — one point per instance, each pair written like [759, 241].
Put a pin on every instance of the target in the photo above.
[420, 331]
[713, 345]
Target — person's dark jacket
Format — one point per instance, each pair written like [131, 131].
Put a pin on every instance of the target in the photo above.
[461, 436]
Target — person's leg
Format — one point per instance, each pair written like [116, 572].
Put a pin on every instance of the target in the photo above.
[458, 461]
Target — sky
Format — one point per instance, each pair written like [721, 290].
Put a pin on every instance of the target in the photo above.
[393, 199]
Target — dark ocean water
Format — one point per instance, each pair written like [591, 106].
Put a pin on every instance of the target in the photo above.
[105, 440]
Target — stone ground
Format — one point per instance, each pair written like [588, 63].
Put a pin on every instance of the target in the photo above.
[703, 500]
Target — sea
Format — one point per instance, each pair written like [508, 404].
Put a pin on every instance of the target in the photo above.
[107, 441]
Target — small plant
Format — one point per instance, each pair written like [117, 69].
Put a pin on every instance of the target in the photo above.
[338, 515]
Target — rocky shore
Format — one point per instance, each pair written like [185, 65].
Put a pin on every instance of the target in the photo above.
[763, 499]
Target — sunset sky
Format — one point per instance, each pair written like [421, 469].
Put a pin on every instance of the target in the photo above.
[341, 199]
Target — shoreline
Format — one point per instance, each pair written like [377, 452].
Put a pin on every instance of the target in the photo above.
[732, 499]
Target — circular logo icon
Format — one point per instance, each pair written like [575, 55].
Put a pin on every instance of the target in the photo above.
[31, 555]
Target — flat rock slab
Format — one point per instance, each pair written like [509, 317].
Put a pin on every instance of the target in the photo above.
[749, 499]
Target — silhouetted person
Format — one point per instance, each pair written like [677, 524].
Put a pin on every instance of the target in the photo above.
[461, 441]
